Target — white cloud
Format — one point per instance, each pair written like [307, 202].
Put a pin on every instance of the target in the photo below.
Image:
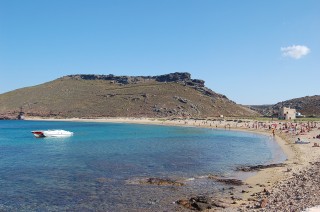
[295, 51]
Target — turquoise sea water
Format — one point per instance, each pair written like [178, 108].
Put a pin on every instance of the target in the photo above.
[90, 171]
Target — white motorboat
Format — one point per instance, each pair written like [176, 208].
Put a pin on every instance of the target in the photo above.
[51, 133]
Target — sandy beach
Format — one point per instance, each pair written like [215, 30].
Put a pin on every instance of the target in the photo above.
[294, 186]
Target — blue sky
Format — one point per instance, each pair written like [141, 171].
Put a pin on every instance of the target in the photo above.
[254, 52]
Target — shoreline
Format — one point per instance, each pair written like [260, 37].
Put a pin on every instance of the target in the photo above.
[299, 157]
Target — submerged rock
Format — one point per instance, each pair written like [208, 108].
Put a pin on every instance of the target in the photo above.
[203, 203]
[230, 181]
[199, 203]
[258, 167]
[161, 182]
[226, 180]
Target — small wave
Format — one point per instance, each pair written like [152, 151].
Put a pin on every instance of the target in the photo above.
[202, 177]
[135, 181]
[190, 179]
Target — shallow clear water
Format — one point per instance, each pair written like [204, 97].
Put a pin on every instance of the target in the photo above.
[90, 170]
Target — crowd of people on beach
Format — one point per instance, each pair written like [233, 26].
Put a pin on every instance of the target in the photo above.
[292, 128]
[304, 135]
[296, 128]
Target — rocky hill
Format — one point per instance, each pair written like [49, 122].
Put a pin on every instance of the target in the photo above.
[308, 106]
[170, 95]
[265, 110]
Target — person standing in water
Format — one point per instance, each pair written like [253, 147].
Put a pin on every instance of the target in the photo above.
[273, 133]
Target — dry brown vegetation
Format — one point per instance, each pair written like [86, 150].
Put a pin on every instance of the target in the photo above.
[73, 96]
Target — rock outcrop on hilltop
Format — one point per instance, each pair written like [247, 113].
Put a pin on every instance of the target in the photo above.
[178, 77]
[173, 77]
[89, 95]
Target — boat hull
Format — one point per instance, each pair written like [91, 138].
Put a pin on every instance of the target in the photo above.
[38, 134]
[52, 133]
